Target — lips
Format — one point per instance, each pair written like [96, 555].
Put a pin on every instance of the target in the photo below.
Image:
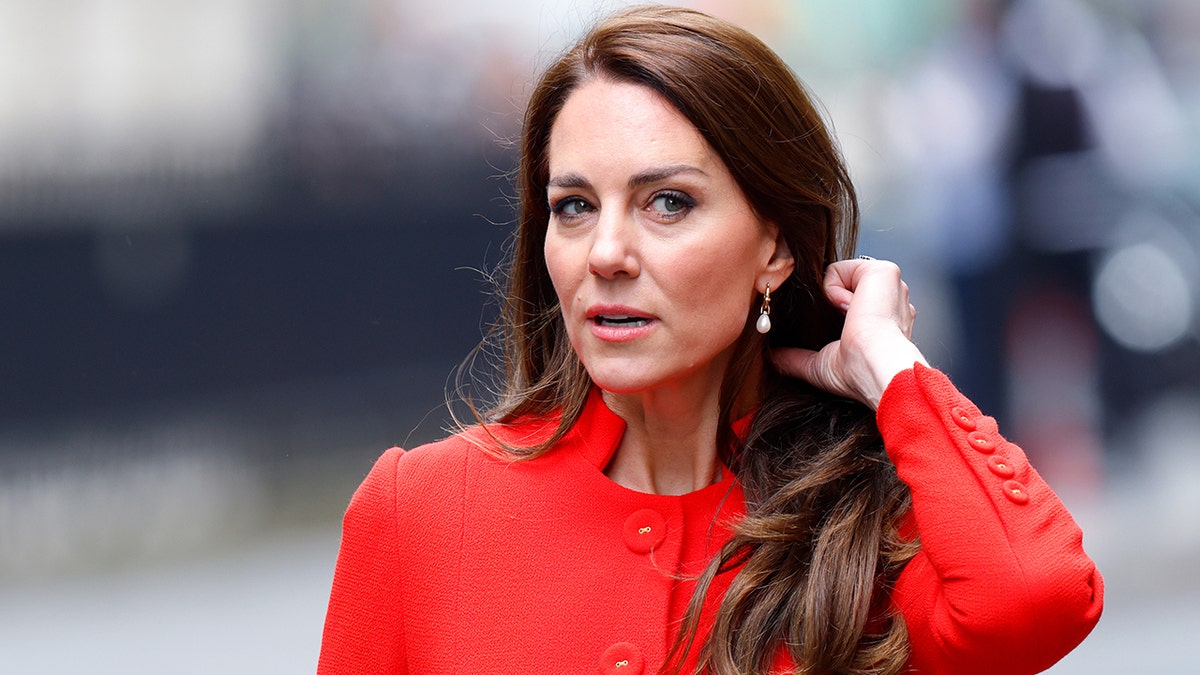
[617, 315]
[618, 323]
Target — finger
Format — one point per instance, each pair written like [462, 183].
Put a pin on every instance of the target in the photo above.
[911, 321]
[839, 282]
[795, 362]
[850, 273]
[839, 297]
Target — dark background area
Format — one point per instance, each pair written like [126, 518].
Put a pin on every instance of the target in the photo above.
[296, 288]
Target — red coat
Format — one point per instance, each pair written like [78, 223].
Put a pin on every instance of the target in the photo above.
[453, 561]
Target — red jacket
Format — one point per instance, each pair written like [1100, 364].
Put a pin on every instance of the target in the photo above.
[454, 561]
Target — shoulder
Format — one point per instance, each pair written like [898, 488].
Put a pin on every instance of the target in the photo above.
[438, 471]
[488, 442]
[430, 466]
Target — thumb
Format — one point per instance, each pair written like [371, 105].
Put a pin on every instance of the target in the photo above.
[797, 362]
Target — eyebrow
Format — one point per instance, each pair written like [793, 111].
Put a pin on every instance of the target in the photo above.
[647, 177]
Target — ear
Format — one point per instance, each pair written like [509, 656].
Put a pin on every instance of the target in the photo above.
[779, 266]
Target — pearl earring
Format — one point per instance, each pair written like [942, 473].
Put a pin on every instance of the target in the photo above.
[764, 317]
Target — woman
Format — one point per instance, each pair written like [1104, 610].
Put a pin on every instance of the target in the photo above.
[716, 448]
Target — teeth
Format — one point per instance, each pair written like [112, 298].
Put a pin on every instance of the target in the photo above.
[621, 321]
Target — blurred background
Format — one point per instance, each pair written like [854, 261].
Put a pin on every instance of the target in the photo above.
[244, 243]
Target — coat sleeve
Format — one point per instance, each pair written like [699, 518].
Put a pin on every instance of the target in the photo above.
[364, 626]
[1001, 583]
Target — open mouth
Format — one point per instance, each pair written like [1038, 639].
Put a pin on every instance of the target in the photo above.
[619, 321]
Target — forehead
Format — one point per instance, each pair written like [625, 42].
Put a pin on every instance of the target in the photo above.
[623, 126]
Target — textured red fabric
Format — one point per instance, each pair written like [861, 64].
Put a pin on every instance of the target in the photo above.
[454, 561]
[1001, 584]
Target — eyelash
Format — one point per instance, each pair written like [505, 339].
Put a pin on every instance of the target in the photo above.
[558, 209]
[687, 202]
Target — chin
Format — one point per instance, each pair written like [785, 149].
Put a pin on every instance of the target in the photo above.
[625, 382]
[640, 379]
[620, 385]
[639, 375]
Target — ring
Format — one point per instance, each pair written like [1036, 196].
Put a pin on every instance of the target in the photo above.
[865, 257]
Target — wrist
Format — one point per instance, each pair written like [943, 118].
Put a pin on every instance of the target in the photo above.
[885, 365]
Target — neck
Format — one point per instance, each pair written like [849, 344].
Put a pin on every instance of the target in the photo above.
[669, 447]
[670, 441]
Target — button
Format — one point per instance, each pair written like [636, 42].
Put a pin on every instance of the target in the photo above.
[644, 530]
[1000, 466]
[962, 419]
[980, 441]
[1015, 492]
[623, 658]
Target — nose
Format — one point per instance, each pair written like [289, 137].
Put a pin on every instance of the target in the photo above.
[614, 247]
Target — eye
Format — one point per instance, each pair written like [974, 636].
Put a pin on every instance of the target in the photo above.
[570, 207]
[671, 203]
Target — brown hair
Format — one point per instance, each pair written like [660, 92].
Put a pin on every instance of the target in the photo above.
[818, 550]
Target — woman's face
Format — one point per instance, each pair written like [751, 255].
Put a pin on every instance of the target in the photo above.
[654, 252]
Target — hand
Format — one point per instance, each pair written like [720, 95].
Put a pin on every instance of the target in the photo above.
[876, 341]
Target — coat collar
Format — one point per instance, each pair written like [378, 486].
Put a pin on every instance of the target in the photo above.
[599, 431]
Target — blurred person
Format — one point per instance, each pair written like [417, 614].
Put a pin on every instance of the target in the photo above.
[715, 447]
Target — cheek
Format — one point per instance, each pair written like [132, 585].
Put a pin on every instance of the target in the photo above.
[716, 286]
[559, 267]
[716, 293]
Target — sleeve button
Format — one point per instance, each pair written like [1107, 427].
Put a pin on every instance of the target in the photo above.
[1000, 466]
[964, 421]
[980, 441]
[1015, 492]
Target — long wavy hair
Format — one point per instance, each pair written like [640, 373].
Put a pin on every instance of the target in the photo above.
[818, 549]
